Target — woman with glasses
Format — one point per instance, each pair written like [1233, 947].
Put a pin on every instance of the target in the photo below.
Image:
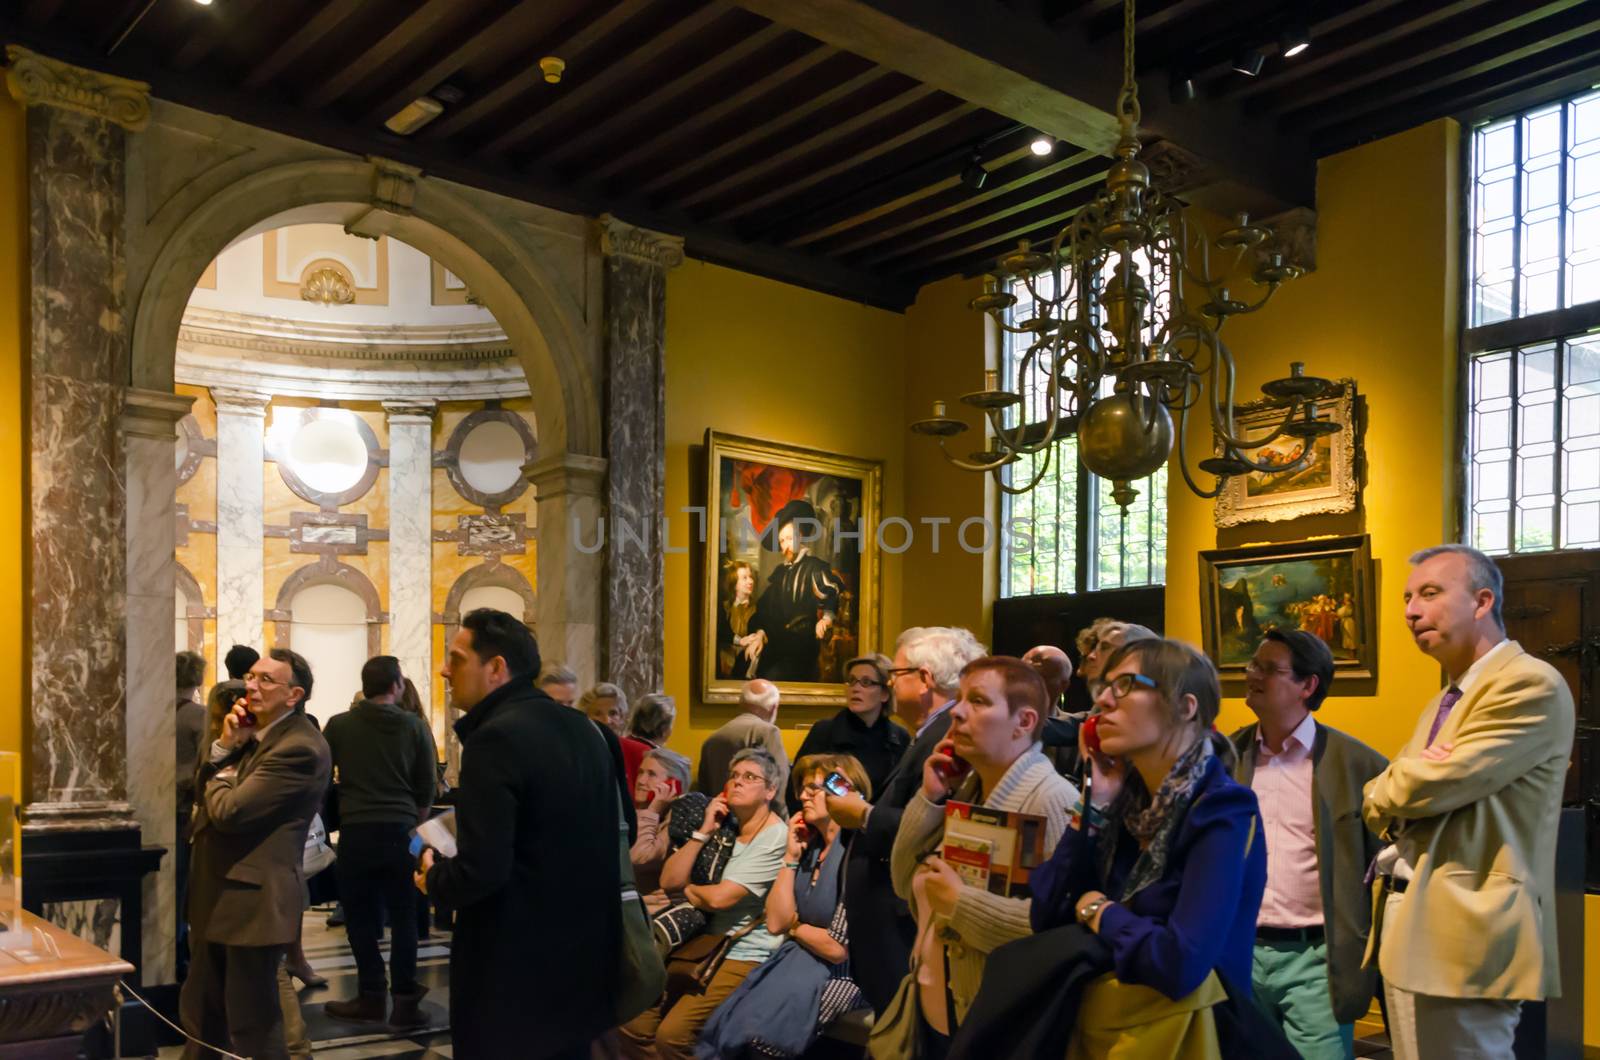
[735, 905]
[865, 728]
[782, 1006]
[1167, 865]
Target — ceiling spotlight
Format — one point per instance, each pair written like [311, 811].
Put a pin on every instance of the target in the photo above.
[553, 68]
[974, 175]
[1248, 62]
[1180, 89]
[203, 3]
[414, 115]
[1042, 145]
[1295, 39]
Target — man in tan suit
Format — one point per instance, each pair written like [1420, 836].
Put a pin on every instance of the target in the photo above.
[1466, 930]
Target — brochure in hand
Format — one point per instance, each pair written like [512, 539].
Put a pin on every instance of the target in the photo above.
[993, 849]
[436, 832]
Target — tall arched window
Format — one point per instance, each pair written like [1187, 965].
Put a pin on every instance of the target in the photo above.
[329, 627]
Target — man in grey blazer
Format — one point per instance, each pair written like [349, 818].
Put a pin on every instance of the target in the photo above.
[1316, 911]
[260, 784]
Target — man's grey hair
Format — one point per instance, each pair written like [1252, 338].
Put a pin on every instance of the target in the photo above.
[651, 718]
[942, 651]
[768, 764]
[1480, 568]
[556, 675]
[759, 696]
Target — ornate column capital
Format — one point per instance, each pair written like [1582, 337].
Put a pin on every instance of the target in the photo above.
[240, 402]
[36, 80]
[153, 413]
[410, 410]
[618, 239]
[567, 473]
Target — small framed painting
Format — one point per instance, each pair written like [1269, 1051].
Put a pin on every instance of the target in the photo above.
[1325, 587]
[1329, 481]
[791, 568]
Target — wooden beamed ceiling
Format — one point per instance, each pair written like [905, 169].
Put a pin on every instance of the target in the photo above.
[822, 142]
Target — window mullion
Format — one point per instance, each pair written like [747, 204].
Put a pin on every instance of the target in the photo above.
[1559, 377]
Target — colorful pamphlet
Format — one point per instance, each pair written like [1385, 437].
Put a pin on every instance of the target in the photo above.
[993, 849]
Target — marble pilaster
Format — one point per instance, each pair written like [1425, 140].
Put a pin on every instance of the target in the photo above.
[411, 541]
[77, 122]
[634, 635]
[149, 425]
[570, 567]
[241, 422]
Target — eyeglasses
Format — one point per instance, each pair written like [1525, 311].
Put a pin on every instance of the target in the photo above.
[747, 778]
[264, 680]
[1122, 684]
[864, 682]
[1253, 667]
[896, 671]
[809, 790]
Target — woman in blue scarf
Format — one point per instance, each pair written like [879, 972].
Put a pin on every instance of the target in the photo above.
[783, 1004]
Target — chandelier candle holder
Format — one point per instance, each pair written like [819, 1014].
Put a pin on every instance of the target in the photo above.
[1125, 337]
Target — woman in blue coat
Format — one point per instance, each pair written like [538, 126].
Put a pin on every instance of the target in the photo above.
[1170, 865]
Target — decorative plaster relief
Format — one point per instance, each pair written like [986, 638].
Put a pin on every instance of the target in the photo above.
[35, 80]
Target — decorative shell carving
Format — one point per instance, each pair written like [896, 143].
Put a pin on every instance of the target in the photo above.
[328, 286]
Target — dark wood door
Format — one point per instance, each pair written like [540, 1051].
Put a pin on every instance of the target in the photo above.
[1022, 622]
[1552, 608]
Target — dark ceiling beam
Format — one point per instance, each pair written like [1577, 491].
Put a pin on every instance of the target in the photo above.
[218, 23]
[708, 242]
[1433, 77]
[424, 22]
[486, 34]
[1063, 178]
[777, 129]
[644, 57]
[937, 258]
[949, 198]
[40, 12]
[1027, 201]
[1210, 64]
[570, 41]
[1548, 75]
[832, 208]
[1020, 67]
[678, 133]
[1148, 17]
[951, 119]
[674, 94]
[114, 29]
[315, 30]
[1484, 32]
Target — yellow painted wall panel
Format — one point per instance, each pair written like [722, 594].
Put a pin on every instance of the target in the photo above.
[14, 347]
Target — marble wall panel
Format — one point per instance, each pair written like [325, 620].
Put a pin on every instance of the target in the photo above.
[240, 588]
[411, 543]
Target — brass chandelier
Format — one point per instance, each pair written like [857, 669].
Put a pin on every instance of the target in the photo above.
[1133, 301]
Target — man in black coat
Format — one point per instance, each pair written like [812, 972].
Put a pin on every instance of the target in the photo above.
[536, 881]
[262, 782]
[924, 680]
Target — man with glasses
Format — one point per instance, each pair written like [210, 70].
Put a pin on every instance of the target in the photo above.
[264, 781]
[753, 727]
[923, 682]
[1316, 911]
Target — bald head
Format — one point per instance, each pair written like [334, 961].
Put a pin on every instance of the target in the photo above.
[1053, 665]
[760, 697]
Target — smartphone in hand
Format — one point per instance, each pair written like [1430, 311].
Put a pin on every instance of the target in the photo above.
[837, 783]
[952, 772]
[1091, 733]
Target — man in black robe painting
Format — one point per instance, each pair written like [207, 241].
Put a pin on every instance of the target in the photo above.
[796, 612]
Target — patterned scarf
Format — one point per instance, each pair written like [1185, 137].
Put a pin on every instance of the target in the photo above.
[1152, 822]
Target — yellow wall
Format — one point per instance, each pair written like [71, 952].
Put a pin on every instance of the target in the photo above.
[763, 359]
[14, 535]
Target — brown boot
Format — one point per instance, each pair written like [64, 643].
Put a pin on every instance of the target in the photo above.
[407, 1010]
[366, 1008]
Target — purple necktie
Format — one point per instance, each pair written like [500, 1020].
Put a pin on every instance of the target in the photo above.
[1447, 702]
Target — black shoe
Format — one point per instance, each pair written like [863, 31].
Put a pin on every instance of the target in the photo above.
[336, 918]
[407, 1012]
[367, 1008]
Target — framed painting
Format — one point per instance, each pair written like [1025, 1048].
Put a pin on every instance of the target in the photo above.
[1329, 481]
[1325, 587]
[791, 568]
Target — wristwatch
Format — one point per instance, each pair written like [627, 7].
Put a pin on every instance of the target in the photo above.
[699, 836]
[1087, 913]
[792, 865]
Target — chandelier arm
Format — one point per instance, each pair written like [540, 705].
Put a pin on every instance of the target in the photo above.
[1183, 460]
[1044, 467]
[1272, 288]
[1223, 422]
[972, 465]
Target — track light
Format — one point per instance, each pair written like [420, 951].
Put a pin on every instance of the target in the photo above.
[973, 175]
[1248, 62]
[1042, 145]
[1180, 89]
[414, 115]
[1295, 39]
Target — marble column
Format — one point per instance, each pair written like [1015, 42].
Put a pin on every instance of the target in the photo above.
[569, 564]
[411, 544]
[634, 635]
[241, 419]
[149, 425]
[77, 124]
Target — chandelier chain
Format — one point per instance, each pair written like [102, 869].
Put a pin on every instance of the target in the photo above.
[1128, 99]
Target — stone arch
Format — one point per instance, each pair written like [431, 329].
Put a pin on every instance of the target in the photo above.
[195, 611]
[502, 272]
[329, 571]
[490, 572]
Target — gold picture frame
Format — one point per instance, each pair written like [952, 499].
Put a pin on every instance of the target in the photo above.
[763, 607]
[1329, 485]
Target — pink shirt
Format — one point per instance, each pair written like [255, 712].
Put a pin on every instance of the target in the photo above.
[1282, 783]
